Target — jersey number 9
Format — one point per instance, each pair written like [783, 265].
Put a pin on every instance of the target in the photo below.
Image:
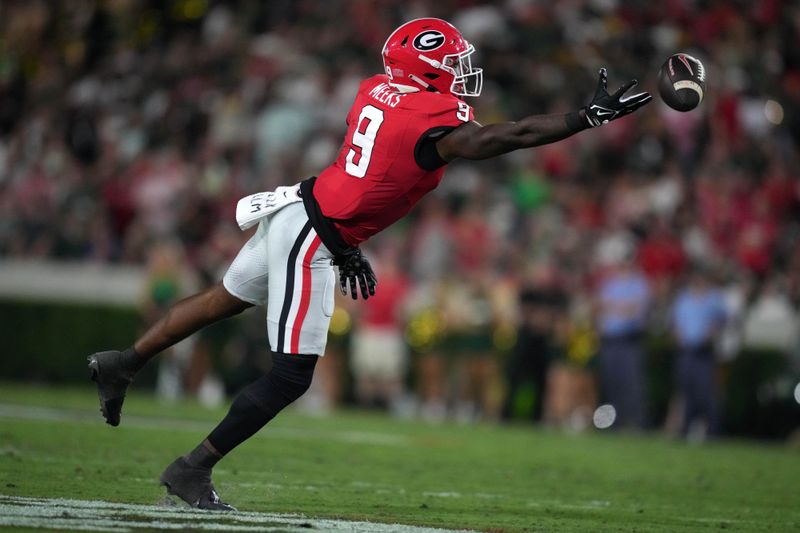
[364, 135]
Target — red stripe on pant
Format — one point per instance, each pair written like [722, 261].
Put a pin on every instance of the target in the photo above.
[305, 295]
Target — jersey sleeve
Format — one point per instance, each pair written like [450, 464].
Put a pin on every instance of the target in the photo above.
[443, 116]
[448, 111]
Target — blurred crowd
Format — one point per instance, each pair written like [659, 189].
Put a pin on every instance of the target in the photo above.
[527, 286]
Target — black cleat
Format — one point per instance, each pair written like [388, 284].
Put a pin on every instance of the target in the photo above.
[112, 378]
[192, 484]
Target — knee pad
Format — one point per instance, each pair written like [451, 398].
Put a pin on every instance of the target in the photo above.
[288, 379]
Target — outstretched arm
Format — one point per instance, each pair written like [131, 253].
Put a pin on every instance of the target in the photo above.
[473, 141]
[187, 316]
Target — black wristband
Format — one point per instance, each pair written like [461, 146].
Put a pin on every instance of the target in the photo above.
[575, 122]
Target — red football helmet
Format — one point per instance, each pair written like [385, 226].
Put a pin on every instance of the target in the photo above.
[431, 54]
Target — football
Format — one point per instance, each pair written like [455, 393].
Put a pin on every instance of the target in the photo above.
[682, 82]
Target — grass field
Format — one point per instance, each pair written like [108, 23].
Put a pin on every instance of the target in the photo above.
[363, 467]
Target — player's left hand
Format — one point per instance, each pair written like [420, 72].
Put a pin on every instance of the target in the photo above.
[355, 269]
[606, 107]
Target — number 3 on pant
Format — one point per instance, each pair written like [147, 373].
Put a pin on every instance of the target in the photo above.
[364, 139]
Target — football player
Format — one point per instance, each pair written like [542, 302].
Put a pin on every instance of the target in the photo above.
[405, 126]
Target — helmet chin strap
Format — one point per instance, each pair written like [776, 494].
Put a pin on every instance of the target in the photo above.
[404, 88]
[436, 64]
[422, 82]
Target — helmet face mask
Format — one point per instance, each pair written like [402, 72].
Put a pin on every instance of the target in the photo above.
[431, 54]
[467, 81]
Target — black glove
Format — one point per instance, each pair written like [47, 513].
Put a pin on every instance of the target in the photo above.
[606, 107]
[354, 266]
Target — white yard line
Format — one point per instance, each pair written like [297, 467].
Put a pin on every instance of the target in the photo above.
[94, 515]
[52, 414]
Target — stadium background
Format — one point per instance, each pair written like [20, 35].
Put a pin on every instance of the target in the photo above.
[128, 130]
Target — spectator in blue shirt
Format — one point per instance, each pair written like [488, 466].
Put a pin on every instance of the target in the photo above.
[623, 304]
[698, 314]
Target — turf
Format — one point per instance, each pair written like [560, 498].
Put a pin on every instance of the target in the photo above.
[367, 467]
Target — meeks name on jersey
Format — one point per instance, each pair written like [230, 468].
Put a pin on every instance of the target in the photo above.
[385, 95]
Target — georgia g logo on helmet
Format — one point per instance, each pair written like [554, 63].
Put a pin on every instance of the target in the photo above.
[428, 40]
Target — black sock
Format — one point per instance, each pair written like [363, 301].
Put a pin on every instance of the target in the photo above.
[260, 401]
[202, 456]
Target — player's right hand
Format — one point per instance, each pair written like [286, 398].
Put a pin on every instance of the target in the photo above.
[356, 270]
[606, 107]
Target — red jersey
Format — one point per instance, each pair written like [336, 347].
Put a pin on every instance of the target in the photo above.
[377, 178]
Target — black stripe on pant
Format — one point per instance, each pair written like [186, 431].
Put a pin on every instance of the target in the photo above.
[287, 299]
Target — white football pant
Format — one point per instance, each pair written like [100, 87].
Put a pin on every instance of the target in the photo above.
[286, 266]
